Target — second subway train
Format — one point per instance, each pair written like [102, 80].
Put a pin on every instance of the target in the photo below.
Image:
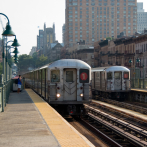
[111, 82]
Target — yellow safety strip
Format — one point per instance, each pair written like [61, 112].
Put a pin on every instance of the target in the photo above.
[64, 133]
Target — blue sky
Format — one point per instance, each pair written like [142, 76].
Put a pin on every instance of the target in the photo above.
[26, 15]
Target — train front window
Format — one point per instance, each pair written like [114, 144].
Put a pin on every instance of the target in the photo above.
[109, 76]
[117, 75]
[55, 76]
[126, 75]
[69, 76]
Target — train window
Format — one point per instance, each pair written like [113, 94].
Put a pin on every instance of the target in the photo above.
[109, 75]
[69, 76]
[126, 75]
[55, 76]
[117, 75]
[98, 74]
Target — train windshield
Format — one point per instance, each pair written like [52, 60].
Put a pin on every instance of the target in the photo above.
[109, 76]
[55, 76]
[117, 75]
[69, 76]
[126, 75]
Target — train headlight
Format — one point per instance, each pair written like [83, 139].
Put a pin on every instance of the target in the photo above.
[81, 95]
[58, 95]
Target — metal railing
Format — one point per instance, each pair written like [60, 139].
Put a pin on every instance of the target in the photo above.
[139, 83]
[5, 89]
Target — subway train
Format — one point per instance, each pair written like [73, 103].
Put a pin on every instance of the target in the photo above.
[111, 82]
[64, 84]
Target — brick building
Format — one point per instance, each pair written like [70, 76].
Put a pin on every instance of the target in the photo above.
[115, 52]
[82, 52]
[94, 20]
[141, 54]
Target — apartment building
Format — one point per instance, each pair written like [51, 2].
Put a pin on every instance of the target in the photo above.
[94, 20]
[141, 18]
[116, 52]
[141, 54]
[130, 52]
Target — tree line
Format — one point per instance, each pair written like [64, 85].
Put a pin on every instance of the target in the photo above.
[26, 61]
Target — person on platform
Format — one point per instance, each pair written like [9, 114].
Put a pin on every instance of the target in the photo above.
[19, 84]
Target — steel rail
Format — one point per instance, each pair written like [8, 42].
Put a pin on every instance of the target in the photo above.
[118, 126]
[122, 113]
[102, 135]
[131, 127]
[134, 140]
[125, 105]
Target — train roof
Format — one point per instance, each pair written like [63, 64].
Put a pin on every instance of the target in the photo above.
[110, 68]
[69, 63]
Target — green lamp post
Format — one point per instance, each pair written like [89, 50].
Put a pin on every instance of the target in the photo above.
[16, 56]
[130, 61]
[14, 44]
[8, 32]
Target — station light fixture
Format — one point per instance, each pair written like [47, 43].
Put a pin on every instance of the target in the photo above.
[130, 61]
[8, 31]
[15, 51]
[137, 60]
[15, 42]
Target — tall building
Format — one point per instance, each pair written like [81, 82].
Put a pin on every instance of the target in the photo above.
[49, 37]
[93, 20]
[44, 38]
[141, 18]
[40, 40]
[63, 34]
[33, 50]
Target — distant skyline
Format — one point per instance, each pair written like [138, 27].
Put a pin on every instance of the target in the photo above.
[27, 17]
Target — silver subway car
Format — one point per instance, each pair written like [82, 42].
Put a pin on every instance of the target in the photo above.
[111, 82]
[65, 84]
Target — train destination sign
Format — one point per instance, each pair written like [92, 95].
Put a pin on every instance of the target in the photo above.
[84, 75]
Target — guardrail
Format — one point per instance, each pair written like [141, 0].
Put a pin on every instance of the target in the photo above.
[139, 83]
[5, 88]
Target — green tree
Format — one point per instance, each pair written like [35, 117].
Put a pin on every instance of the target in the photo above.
[24, 62]
[109, 38]
[42, 60]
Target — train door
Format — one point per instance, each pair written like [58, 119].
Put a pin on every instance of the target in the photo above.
[109, 80]
[118, 80]
[70, 84]
[101, 80]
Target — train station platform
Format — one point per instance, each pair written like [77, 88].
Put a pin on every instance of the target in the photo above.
[139, 90]
[128, 112]
[28, 121]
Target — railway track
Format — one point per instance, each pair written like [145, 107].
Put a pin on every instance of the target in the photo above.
[85, 130]
[129, 106]
[123, 133]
